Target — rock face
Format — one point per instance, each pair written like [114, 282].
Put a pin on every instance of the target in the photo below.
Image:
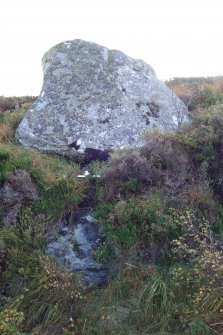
[17, 191]
[74, 248]
[96, 98]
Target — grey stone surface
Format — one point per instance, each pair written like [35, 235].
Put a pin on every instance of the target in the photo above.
[74, 248]
[93, 97]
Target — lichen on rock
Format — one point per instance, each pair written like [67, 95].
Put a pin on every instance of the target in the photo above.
[96, 98]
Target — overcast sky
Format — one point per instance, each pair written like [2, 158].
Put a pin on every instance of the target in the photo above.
[177, 38]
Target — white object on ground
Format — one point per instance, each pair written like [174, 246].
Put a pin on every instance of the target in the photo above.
[86, 173]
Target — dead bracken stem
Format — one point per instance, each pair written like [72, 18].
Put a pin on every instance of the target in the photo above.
[214, 324]
[84, 326]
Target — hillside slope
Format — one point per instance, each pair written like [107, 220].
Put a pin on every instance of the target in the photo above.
[161, 210]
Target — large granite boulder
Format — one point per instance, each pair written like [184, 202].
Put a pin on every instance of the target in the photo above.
[96, 98]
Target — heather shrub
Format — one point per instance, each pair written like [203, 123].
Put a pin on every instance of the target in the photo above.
[168, 162]
[158, 164]
[179, 166]
[125, 176]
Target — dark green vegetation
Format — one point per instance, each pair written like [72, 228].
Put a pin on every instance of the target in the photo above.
[161, 208]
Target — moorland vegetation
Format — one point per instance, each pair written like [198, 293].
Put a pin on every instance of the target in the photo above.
[161, 209]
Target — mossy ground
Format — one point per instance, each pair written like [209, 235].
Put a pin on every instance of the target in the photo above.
[161, 208]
